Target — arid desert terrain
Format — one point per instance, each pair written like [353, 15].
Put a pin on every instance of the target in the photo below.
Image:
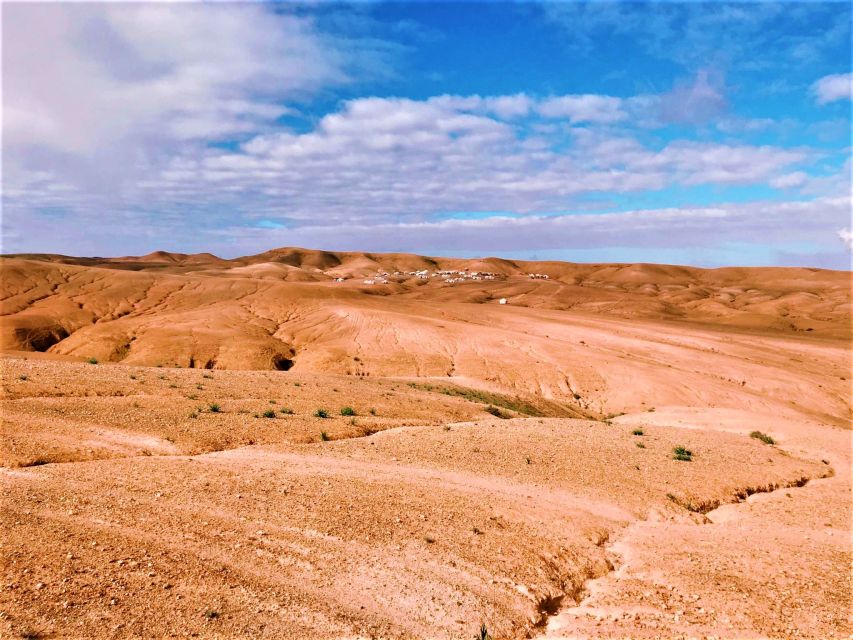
[308, 444]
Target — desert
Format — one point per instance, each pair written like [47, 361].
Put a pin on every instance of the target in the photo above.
[426, 320]
[268, 446]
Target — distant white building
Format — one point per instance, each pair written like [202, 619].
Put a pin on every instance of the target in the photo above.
[502, 301]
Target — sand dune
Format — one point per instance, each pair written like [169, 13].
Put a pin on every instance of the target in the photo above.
[269, 446]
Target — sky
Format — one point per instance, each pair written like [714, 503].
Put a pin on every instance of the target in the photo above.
[708, 134]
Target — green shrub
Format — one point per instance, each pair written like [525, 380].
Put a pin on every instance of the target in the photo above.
[92, 361]
[637, 432]
[324, 436]
[763, 437]
[269, 413]
[496, 412]
[321, 413]
[640, 445]
[214, 408]
[680, 453]
[347, 411]
[286, 411]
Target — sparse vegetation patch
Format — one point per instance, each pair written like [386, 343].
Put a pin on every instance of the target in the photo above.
[496, 412]
[763, 437]
[682, 454]
[517, 404]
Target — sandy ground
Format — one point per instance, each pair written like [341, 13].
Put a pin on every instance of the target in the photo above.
[508, 466]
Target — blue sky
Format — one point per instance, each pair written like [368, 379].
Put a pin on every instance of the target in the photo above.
[698, 133]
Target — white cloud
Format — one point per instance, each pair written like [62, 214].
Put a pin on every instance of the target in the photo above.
[693, 228]
[789, 180]
[835, 87]
[583, 108]
[397, 157]
[695, 102]
[383, 159]
[846, 236]
[79, 78]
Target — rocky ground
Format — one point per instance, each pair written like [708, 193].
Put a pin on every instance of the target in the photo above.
[194, 447]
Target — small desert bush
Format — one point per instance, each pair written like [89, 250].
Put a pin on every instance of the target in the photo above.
[637, 432]
[496, 412]
[286, 411]
[372, 412]
[214, 408]
[92, 361]
[640, 445]
[324, 436]
[763, 437]
[321, 413]
[483, 633]
[23, 378]
[347, 411]
[269, 413]
[683, 454]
